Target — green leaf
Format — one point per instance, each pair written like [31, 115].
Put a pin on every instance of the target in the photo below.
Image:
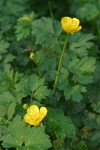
[47, 61]
[81, 44]
[41, 93]
[22, 87]
[77, 89]
[3, 130]
[94, 139]
[82, 66]
[35, 138]
[32, 85]
[23, 27]
[31, 137]
[15, 136]
[3, 46]
[96, 106]
[92, 120]
[88, 66]
[64, 74]
[85, 79]
[38, 88]
[86, 10]
[77, 96]
[6, 98]
[7, 78]
[67, 92]
[5, 82]
[75, 93]
[11, 110]
[46, 31]
[35, 82]
[9, 72]
[60, 124]
[81, 146]
[3, 110]
[8, 58]
[8, 141]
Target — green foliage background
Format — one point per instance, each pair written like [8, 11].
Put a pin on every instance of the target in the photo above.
[73, 119]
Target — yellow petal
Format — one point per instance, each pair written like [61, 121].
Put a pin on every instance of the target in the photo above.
[35, 123]
[31, 121]
[43, 111]
[74, 26]
[76, 30]
[79, 28]
[27, 118]
[70, 25]
[32, 110]
[34, 116]
[37, 119]
[66, 23]
[75, 22]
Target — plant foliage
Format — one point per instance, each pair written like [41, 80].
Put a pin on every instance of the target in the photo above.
[31, 42]
[32, 138]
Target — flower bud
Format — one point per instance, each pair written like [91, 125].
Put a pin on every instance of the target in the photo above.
[26, 18]
[32, 56]
[25, 106]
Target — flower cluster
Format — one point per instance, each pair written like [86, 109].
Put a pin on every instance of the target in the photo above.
[35, 115]
[70, 25]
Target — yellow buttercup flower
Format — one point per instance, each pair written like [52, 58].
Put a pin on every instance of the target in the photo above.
[70, 25]
[35, 115]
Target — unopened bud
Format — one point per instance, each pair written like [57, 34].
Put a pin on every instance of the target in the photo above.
[25, 106]
[26, 18]
[32, 56]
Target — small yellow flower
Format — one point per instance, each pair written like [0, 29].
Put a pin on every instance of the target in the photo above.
[35, 115]
[70, 25]
[26, 18]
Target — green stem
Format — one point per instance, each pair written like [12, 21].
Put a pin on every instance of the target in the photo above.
[58, 140]
[60, 62]
[31, 96]
[39, 69]
[50, 9]
[98, 28]
[38, 66]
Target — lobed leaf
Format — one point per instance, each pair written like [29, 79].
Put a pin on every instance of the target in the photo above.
[35, 138]
[20, 134]
[32, 85]
[81, 44]
[60, 124]
[46, 31]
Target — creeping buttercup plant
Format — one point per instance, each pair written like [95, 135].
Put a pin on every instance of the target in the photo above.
[49, 77]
